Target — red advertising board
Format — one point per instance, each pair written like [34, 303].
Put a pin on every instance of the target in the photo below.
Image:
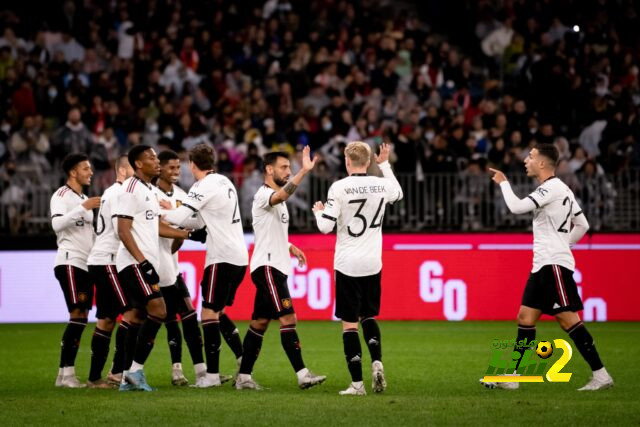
[454, 277]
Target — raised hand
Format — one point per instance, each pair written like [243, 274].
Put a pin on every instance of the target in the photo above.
[385, 149]
[318, 207]
[307, 162]
[91, 203]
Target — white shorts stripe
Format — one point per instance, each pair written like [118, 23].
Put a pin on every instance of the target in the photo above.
[113, 275]
[72, 284]
[272, 288]
[145, 286]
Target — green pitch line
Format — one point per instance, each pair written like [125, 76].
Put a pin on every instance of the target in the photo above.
[432, 371]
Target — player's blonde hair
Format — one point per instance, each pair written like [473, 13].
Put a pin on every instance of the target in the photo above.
[358, 152]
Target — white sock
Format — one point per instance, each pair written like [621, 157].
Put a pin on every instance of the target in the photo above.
[357, 384]
[301, 373]
[244, 377]
[601, 373]
[177, 366]
[68, 371]
[60, 371]
[135, 367]
[200, 368]
[124, 377]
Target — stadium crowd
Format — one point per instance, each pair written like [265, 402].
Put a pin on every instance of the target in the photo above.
[247, 77]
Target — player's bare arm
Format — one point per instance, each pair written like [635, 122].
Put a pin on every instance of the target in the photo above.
[126, 237]
[297, 252]
[289, 188]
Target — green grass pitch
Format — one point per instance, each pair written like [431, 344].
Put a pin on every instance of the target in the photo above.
[432, 370]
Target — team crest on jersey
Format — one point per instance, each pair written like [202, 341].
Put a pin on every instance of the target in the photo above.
[329, 202]
[284, 218]
[178, 203]
[150, 214]
[80, 222]
[286, 302]
[82, 296]
[542, 191]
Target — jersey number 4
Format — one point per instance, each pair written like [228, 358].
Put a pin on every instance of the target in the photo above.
[377, 217]
[235, 217]
[562, 228]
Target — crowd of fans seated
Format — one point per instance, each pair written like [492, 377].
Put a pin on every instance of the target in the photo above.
[252, 76]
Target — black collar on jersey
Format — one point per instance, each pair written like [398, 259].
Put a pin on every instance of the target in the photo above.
[358, 174]
[119, 182]
[168, 193]
[551, 177]
[210, 172]
[78, 194]
[143, 183]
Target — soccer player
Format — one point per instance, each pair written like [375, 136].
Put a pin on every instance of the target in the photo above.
[174, 290]
[110, 297]
[71, 218]
[355, 205]
[215, 199]
[138, 256]
[558, 223]
[270, 266]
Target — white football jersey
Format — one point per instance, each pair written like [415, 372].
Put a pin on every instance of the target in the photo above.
[271, 229]
[555, 207]
[105, 248]
[215, 199]
[138, 201]
[168, 269]
[356, 204]
[73, 226]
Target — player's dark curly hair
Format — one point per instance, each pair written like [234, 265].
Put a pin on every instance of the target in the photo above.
[167, 155]
[135, 152]
[271, 158]
[71, 160]
[550, 152]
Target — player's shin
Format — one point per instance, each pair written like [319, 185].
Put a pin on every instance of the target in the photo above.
[353, 353]
[99, 352]
[371, 333]
[212, 342]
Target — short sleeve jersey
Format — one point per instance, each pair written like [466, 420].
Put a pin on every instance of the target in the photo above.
[139, 202]
[168, 268]
[555, 207]
[105, 248]
[215, 199]
[75, 241]
[357, 204]
[271, 229]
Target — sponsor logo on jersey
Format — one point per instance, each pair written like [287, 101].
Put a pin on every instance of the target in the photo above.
[542, 191]
[196, 196]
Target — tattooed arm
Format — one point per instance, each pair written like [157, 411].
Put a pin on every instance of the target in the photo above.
[290, 187]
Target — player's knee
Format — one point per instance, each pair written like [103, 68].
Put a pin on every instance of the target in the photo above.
[106, 324]
[349, 325]
[289, 319]
[78, 313]
[526, 319]
[260, 324]
[157, 308]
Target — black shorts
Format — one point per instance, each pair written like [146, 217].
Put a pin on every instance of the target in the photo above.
[76, 285]
[137, 291]
[552, 290]
[174, 298]
[110, 296]
[272, 299]
[357, 297]
[219, 285]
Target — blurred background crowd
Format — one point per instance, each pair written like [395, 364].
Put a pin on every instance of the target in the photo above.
[456, 86]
